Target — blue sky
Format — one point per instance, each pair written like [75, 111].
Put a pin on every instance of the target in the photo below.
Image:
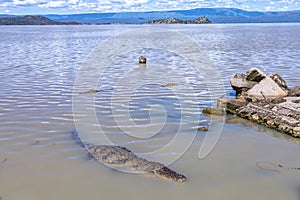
[86, 6]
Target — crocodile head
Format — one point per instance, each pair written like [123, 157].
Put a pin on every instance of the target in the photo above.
[168, 174]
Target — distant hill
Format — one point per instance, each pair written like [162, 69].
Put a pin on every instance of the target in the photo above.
[200, 20]
[215, 15]
[30, 20]
[6, 15]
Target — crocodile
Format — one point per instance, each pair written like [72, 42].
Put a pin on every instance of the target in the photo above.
[119, 157]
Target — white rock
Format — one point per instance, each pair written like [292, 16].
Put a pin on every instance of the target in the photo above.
[296, 132]
[297, 129]
[268, 87]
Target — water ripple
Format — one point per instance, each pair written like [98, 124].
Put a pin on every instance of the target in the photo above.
[38, 69]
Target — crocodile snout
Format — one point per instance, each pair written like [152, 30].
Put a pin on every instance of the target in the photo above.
[170, 175]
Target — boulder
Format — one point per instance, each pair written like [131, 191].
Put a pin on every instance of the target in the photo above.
[231, 105]
[277, 78]
[255, 75]
[295, 91]
[169, 85]
[266, 88]
[240, 84]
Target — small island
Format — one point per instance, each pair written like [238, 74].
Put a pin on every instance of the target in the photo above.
[200, 20]
[32, 20]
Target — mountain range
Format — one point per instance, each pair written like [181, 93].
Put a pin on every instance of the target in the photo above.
[216, 15]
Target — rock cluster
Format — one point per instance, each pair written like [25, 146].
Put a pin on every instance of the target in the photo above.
[264, 99]
[200, 20]
[257, 85]
[285, 116]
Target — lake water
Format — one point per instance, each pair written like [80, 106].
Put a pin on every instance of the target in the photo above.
[39, 66]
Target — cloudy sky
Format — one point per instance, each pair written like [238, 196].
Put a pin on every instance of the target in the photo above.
[85, 6]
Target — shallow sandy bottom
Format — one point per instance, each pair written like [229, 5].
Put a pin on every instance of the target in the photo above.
[62, 171]
[37, 73]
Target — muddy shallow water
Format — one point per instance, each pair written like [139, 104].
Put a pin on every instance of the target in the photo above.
[42, 161]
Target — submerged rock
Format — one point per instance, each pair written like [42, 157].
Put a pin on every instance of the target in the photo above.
[142, 60]
[214, 111]
[169, 85]
[203, 128]
[90, 92]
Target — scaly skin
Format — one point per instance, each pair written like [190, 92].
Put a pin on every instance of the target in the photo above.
[123, 158]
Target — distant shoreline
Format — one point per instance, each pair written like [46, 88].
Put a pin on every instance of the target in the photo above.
[32, 20]
[41, 20]
[215, 15]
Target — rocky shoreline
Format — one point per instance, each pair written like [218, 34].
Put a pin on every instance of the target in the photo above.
[263, 99]
[200, 20]
[32, 20]
[41, 20]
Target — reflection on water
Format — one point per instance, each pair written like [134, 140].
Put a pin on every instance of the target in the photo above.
[40, 160]
[262, 129]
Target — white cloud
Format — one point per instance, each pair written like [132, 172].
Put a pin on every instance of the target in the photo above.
[54, 4]
[101, 6]
[73, 2]
[27, 2]
[5, 4]
[134, 2]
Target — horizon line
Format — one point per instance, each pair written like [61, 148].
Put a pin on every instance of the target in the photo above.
[34, 14]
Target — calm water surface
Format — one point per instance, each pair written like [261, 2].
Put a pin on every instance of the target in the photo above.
[38, 67]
